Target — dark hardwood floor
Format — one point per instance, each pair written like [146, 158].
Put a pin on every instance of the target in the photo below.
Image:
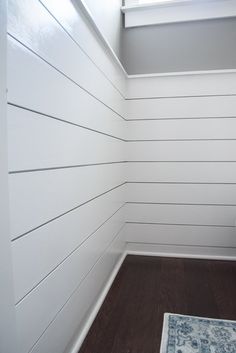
[130, 319]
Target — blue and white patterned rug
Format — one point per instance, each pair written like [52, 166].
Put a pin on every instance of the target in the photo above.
[191, 334]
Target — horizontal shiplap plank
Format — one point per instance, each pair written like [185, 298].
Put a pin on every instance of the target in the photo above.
[180, 235]
[67, 232]
[181, 193]
[181, 151]
[52, 40]
[79, 28]
[71, 319]
[182, 84]
[181, 214]
[34, 84]
[38, 197]
[183, 107]
[40, 307]
[36, 141]
[202, 172]
[181, 129]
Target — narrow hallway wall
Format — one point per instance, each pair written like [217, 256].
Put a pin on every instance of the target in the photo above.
[75, 160]
[66, 159]
[181, 172]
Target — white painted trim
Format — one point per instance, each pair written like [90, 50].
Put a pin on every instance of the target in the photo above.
[182, 256]
[97, 306]
[184, 73]
[177, 11]
[153, 5]
[83, 6]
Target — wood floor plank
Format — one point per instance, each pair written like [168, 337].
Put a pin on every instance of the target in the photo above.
[130, 319]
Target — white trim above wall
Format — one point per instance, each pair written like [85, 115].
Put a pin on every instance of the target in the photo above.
[82, 5]
[177, 11]
[184, 73]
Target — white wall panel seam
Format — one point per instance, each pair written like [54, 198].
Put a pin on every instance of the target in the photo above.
[179, 182]
[179, 161]
[179, 203]
[60, 120]
[67, 257]
[187, 107]
[20, 171]
[67, 232]
[180, 140]
[51, 49]
[64, 213]
[182, 224]
[72, 38]
[181, 96]
[80, 283]
[182, 118]
[66, 76]
[56, 144]
[81, 304]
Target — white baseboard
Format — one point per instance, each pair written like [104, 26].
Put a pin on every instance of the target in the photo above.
[183, 256]
[188, 252]
[97, 306]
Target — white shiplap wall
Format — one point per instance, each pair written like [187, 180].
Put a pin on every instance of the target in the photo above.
[181, 170]
[66, 170]
[78, 150]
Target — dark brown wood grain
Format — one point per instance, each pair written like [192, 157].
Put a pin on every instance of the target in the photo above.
[130, 319]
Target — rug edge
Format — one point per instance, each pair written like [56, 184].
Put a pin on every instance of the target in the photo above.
[164, 334]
